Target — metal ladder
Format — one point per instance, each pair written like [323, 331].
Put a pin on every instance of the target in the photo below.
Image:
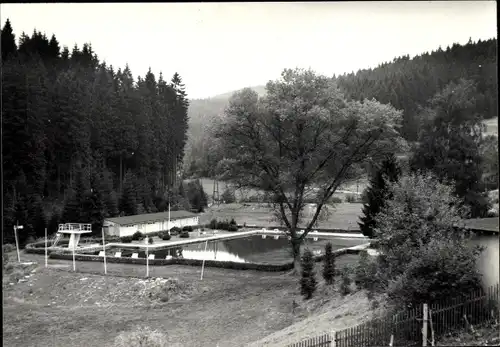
[57, 238]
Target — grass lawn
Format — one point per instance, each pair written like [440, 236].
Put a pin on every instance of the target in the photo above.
[341, 216]
[208, 187]
[56, 307]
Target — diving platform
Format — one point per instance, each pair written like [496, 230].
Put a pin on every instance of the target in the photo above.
[75, 230]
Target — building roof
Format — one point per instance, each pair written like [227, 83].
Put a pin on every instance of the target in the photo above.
[482, 224]
[150, 217]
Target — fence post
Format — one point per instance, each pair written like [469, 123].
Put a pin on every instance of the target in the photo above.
[333, 342]
[424, 327]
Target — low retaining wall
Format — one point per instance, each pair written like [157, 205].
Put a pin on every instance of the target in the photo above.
[176, 261]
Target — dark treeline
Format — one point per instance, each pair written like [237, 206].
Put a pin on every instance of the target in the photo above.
[77, 133]
[408, 84]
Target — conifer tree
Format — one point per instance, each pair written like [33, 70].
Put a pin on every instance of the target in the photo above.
[8, 41]
[308, 281]
[329, 264]
[53, 225]
[377, 193]
[128, 199]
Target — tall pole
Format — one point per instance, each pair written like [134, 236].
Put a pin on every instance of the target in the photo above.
[424, 327]
[147, 257]
[104, 250]
[17, 242]
[203, 264]
[45, 247]
[74, 263]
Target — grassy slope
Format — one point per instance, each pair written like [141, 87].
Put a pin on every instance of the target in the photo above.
[228, 308]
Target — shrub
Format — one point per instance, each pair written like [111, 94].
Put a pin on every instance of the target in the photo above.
[150, 240]
[350, 198]
[5, 262]
[165, 236]
[228, 196]
[213, 224]
[308, 281]
[175, 231]
[414, 245]
[345, 281]
[127, 239]
[187, 228]
[329, 265]
[336, 200]
[184, 234]
[232, 228]
[364, 272]
[9, 248]
[233, 222]
[16, 275]
[137, 236]
[142, 336]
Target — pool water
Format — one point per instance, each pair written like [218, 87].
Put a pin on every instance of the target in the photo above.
[254, 249]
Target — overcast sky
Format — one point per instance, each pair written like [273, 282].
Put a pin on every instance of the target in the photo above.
[221, 47]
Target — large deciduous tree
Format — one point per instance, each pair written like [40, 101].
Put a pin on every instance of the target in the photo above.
[449, 145]
[424, 254]
[301, 142]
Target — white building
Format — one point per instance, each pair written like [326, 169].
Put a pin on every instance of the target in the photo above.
[148, 223]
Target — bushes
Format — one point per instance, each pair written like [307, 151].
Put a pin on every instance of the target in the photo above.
[142, 336]
[184, 234]
[150, 240]
[351, 198]
[423, 257]
[8, 248]
[213, 224]
[164, 235]
[223, 225]
[336, 200]
[308, 281]
[228, 196]
[175, 231]
[187, 228]
[364, 274]
[329, 265]
[127, 239]
[138, 236]
[345, 281]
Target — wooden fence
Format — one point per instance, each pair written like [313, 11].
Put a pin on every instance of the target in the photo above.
[411, 327]
[318, 341]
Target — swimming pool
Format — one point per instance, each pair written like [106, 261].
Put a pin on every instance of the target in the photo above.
[252, 249]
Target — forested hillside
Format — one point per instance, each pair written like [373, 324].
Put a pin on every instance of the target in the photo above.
[408, 84]
[201, 158]
[84, 135]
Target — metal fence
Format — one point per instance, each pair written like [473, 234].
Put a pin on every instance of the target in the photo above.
[411, 327]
